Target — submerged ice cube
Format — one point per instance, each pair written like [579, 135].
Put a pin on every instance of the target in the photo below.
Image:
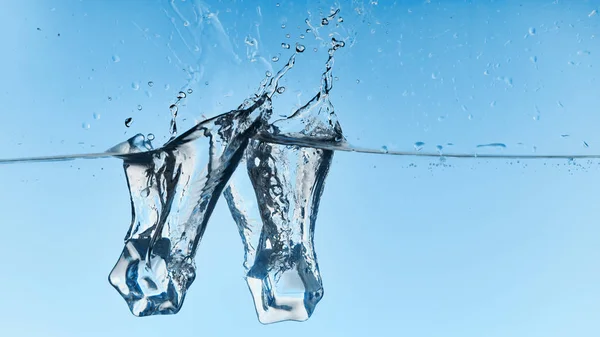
[277, 231]
[173, 192]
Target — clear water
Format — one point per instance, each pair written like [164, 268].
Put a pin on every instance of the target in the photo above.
[413, 240]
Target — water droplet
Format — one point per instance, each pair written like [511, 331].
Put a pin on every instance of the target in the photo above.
[268, 73]
[174, 109]
[135, 86]
[189, 91]
[85, 125]
[150, 136]
[531, 31]
[206, 83]
[340, 19]
[384, 149]
[300, 48]
[128, 121]
[283, 26]
[150, 83]
[186, 23]
[592, 13]
[288, 35]
[324, 22]
[116, 58]
[418, 146]
[308, 30]
[281, 90]
[486, 72]
[277, 4]
[533, 59]
[181, 95]
[439, 148]
[275, 58]
[302, 36]
[285, 45]
[96, 116]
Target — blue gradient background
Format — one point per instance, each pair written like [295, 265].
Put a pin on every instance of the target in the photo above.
[406, 246]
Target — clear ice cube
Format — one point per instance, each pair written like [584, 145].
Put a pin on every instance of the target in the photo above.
[173, 192]
[277, 230]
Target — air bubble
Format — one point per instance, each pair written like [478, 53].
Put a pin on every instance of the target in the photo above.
[531, 31]
[285, 45]
[139, 107]
[150, 136]
[128, 121]
[288, 35]
[300, 48]
[189, 91]
[280, 90]
[275, 58]
[324, 22]
[150, 83]
[340, 19]
[116, 58]
[283, 26]
[181, 95]
[96, 116]
[302, 36]
[85, 125]
[268, 73]
[135, 86]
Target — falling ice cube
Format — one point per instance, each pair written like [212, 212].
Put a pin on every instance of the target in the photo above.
[173, 192]
[277, 220]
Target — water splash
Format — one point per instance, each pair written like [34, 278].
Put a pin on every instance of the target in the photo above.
[173, 192]
[282, 271]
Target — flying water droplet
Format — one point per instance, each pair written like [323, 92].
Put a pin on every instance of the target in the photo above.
[128, 121]
[96, 116]
[592, 13]
[300, 48]
[533, 59]
[116, 58]
[174, 109]
[531, 31]
[285, 45]
[135, 86]
[181, 95]
[85, 125]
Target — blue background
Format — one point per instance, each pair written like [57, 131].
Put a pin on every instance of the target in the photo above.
[406, 246]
